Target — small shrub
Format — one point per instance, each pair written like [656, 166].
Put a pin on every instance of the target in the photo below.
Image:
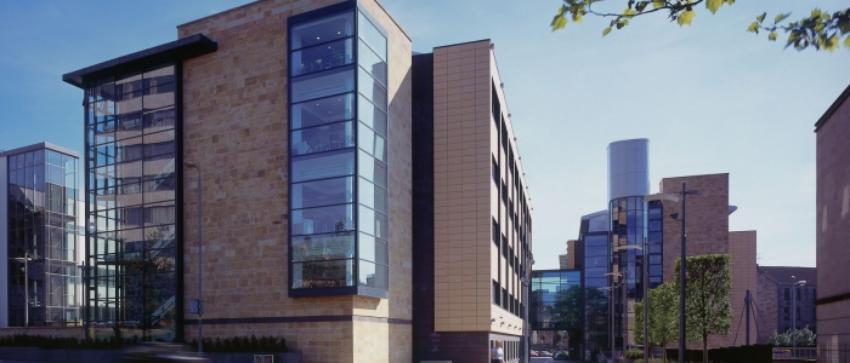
[634, 354]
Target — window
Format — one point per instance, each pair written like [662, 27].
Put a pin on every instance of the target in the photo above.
[322, 111]
[321, 57]
[322, 192]
[324, 84]
[338, 152]
[322, 138]
[322, 30]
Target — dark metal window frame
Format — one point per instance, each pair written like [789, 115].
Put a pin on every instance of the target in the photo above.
[178, 196]
[357, 288]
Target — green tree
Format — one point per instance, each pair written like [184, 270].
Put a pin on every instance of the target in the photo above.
[821, 30]
[707, 298]
[567, 315]
[663, 316]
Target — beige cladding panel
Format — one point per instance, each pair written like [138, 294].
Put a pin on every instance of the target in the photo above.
[462, 187]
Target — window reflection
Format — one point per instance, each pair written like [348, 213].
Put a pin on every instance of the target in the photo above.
[322, 138]
[131, 142]
[321, 57]
[322, 30]
[322, 111]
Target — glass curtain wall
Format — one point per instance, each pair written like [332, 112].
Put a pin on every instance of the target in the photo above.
[556, 301]
[338, 171]
[132, 244]
[42, 230]
[596, 289]
[628, 235]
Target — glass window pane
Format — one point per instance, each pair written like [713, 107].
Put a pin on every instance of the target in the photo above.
[372, 196]
[158, 120]
[372, 250]
[321, 57]
[322, 192]
[372, 275]
[323, 274]
[322, 111]
[371, 143]
[323, 247]
[369, 33]
[322, 30]
[372, 89]
[323, 84]
[322, 138]
[323, 165]
[370, 61]
[372, 223]
[323, 220]
[371, 169]
[372, 116]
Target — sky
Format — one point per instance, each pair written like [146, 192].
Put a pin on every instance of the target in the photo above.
[711, 98]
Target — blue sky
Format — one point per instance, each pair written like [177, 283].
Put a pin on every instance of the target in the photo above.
[711, 98]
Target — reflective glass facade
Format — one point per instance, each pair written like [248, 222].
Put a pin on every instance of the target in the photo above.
[338, 153]
[593, 239]
[132, 176]
[556, 304]
[655, 241]
[43, 238]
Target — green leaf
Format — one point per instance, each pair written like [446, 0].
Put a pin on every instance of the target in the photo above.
[713, 5]
[754, 27]
[761, 17]
[629, 12]
[608, 30]
[686, 17]
[577, 17]
[771, 36]
[847, 41]
[641, 5]
[780, 17]
[658, 4]
[559, 22]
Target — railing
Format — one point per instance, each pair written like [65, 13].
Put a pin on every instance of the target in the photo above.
[828, 353]
[795, 354]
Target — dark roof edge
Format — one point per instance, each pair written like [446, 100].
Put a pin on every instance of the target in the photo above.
[832, 108]
[40, 146]
[183, 48]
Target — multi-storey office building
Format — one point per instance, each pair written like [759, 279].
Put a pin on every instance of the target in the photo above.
[283, 131]
[833, 227]
[472, 222]
[785, 294]
[593, 253]
[628, 185]
[40, 250]
[613, 243]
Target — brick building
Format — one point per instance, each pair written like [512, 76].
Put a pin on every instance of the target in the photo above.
[778, 286]
[833, 229]
[284, 130]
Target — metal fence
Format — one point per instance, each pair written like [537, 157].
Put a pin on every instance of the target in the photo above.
[795, 354]
[833, 353]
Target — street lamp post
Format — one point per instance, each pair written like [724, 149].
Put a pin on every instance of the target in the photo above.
[25, 260]
[198, 303]
[683, 195]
